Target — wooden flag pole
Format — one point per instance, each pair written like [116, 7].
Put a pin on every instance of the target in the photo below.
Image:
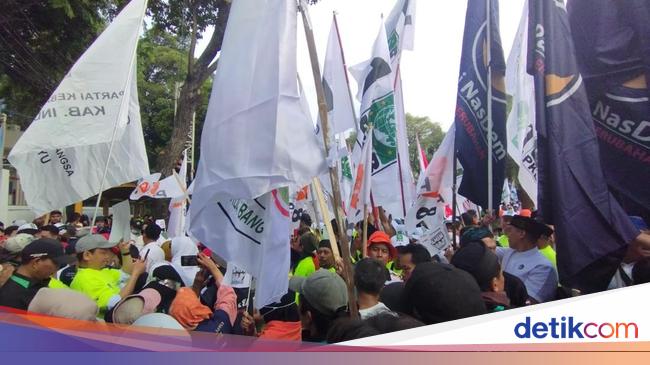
[183, 189]
[365, 231]
[336, 190]
[326, 217]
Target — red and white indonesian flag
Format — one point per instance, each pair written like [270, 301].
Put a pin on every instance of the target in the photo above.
[361, 191]
[62, 155]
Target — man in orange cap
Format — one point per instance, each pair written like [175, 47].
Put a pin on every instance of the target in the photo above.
[381, 249]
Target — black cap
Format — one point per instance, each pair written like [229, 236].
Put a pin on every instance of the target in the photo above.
[46, 248]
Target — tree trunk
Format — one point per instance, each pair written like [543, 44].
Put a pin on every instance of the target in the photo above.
[198, 71]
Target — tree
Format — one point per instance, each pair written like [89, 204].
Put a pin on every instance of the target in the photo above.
[39, 42]
[189, 19]
[430, 135]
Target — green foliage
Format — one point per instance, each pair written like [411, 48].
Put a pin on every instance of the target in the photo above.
[161, 65]
[39, 42]
[430, 135]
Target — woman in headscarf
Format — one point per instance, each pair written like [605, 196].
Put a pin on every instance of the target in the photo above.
[183, 246]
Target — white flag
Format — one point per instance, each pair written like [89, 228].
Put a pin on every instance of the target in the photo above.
[335, 83]
[361, 191]
[178, 205]
[407, 185]
[61, 157]
[251, 234]
[439, 174]
[505, 194]
[121, 226]
[522, 137]
[378, 109]
[151, 186]
[256, 135]
[236, 277]
[400, 28]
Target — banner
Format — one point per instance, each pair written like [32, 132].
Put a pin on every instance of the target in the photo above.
[591, 229]
[522, 137]
[96, 103]
[252, 234]
[472, 109]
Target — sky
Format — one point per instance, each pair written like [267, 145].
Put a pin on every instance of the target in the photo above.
[429, 72]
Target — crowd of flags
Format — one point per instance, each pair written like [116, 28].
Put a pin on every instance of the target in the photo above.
[259, 147]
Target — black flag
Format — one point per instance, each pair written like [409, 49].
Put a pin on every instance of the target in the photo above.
[471, 106]
[592, 230]
[612, 40]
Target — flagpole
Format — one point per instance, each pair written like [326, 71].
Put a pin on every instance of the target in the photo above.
[364, 247]
[345, 66]
[110, 150]
[326, 217]
[489, 104]
[399, 160]
[322, 110]
[453, 197]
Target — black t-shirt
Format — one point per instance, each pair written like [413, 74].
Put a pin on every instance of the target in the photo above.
[19, 291]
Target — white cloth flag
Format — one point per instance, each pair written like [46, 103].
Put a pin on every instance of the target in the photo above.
[400, 29]
[407, 187]
[62, 155]
[434, 188]
[251, 234]
[505, 194]
[256, 135]
[522, 136]
[378, 109]
[360, 197]
[335, 83]
[121, 227]
[429, 215]
[439, 174]
[151, 186]
[178, 205]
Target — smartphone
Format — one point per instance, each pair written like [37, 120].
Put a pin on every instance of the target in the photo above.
[189, 260]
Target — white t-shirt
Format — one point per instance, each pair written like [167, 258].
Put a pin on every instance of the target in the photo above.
[376, 309]
[537, 273]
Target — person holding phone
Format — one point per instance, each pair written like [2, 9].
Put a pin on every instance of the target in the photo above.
[184, 259]
[104, 285]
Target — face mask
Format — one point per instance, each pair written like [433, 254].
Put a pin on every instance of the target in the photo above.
[136, 232]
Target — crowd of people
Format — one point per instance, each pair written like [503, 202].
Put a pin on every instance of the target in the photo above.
[74, 271]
